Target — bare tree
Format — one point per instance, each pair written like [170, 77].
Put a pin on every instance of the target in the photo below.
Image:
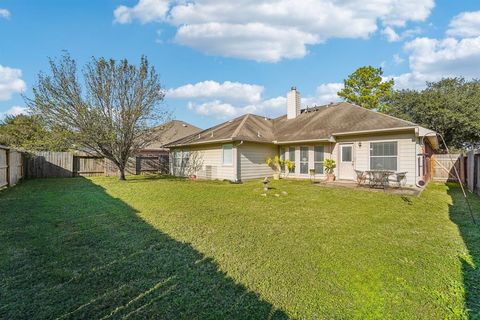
[112, 115]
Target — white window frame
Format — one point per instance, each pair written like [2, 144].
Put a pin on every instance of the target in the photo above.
[383, 141]
[228, 146]
[341, 152]
[321, 162]
[300, 159]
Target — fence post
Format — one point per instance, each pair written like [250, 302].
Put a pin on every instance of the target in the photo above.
[7, 157]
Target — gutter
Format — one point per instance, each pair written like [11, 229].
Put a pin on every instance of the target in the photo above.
[375, 130]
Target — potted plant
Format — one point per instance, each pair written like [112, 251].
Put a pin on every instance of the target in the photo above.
[290, 166]
[276, 163]
[329, 165]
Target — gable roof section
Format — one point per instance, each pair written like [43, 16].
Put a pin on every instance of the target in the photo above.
[319, 123]
[247, 127]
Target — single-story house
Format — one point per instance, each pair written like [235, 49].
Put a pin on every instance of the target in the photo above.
[356, 138]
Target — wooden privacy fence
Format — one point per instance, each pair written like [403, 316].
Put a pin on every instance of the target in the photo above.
[46, 164]
[11, 166]
[443, 166]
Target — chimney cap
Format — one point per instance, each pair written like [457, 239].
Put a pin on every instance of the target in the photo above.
[294, 88]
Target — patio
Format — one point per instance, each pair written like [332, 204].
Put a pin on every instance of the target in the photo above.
[405, 191]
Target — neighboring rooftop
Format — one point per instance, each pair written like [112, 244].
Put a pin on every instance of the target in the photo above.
[321, 122]
[171, 131]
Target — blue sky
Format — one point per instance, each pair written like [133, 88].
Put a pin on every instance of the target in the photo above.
[219, 59]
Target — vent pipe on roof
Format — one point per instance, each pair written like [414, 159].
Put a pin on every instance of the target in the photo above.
[293, 103]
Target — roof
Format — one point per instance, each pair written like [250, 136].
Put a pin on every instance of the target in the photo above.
[314, 124]
[171, 131]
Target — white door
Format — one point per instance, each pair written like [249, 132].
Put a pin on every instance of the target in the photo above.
[345, 163]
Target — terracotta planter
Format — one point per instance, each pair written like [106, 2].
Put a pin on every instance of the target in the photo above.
[330, 177]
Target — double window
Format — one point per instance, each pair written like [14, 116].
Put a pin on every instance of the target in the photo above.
[303, 160]
[318, 159]
[227, 154]
[383, 155]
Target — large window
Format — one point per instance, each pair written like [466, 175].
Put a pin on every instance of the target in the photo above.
[383, 155]
[291, 154]
[228, 154]
[318, 159]
[303, 160]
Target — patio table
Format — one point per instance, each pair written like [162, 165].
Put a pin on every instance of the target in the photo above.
[379, 178]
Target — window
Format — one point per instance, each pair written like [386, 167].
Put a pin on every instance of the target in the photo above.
[282, 158]
[303, 160]
[383, 155]
[227, 154]
[347, 153]
[180, 162]
[318, 159]
[291, 154]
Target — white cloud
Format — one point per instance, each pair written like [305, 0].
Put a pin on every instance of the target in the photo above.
[267, 30]
[445, 58]
[397, 59]
[325, 93]
[13, 111]
[215, 103]
[227, 91]
[10, 82]
[145, 11]
[391, 35]
[221, 110]
[4, 13]
[466, 24]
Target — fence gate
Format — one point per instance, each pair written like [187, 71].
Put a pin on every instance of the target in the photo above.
[3, 168]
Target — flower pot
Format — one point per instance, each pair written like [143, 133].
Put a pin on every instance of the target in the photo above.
[330, 177]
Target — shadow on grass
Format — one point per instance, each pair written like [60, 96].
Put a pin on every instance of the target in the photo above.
[71, 251]
[470, 233]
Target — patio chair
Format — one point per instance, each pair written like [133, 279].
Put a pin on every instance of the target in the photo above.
[361, 176]
[401, 179]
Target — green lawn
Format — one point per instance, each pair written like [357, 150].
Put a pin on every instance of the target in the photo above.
[166, 248]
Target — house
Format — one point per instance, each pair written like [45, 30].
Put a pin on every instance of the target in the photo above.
[165, 134]
[356, 138]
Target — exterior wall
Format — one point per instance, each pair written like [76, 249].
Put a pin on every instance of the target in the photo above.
[251, 160]
[407, 152]
[211, 162]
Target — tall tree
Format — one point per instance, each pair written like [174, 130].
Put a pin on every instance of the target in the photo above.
[366, 87]
[28, 132]
[451, 107]
[112, 115]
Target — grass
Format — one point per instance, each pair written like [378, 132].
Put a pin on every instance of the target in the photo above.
[165, 248]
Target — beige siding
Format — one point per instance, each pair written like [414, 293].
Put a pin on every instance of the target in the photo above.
[211, 158]
[407, 154]
[252, 158]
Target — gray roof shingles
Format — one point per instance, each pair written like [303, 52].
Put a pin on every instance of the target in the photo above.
[312, 124]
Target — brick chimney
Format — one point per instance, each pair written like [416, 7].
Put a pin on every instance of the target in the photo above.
[293, 103]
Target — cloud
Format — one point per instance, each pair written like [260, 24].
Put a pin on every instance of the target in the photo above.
[324, 94]
[466, 24]
[145, 11]
[10, 82]
[4, 13]
[227, 91]
[270, 31]
[444, 58]
[210, 98]
[391, 35]
[397, 59]
[13, 111]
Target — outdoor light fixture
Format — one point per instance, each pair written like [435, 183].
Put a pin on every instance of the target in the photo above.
[360, 144]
